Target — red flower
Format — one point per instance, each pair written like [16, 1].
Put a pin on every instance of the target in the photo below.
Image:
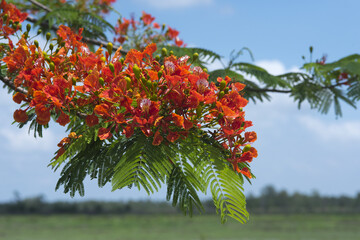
[147, 18]
[172, 33]
[245, 171]
[63, 119]
[157, 139]
[20, 116]
[250, 136]
[19, 97]
[43, 114]
[172, 136]
[104, 133]
[91, 120]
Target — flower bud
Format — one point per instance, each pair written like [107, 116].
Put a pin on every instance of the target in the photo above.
[28, 27]
[48, 35]
[73, 81]
[222, 84]
[226, 90]
[109, 47]
[103, 59]
[221, 94]
[195, 56]
[220, 115]
[164, 51]
[311, 49]
[5, 17]
[101, 81]
[157, 57]
[246, 148]
[39, 31]
[136, 71]
[149, 84]
[160, 73]
[112, 68]
[52, 66]
[128, 82]
[36, 43]
[171, 53]
[51, 46]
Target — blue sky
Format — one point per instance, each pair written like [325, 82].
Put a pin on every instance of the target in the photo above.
[299, 150]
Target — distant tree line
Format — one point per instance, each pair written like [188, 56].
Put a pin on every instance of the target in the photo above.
[270, 201]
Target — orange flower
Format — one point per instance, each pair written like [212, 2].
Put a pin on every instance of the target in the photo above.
[245, 171]
[43, 114]
[91, 120]
[172, 136]
[172, 33]
[20, 116]
[250, 136]
[104, 133]
[147, 18]
[19, 97]
[178, 120]
[157, 139]
[63, 119]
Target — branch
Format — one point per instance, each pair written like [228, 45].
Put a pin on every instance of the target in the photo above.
[40, 5]
[11, 85]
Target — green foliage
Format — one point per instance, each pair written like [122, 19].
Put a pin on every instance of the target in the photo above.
[93, 25]
[187, 167]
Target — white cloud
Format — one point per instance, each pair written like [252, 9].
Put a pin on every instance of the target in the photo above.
[275, 67]
[20, 140]
[167, 4]
[345, 131]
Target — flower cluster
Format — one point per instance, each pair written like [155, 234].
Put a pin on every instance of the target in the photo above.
[166, 99]
[10, 20]
[138, 34]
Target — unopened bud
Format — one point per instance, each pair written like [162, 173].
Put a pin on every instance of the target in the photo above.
[221, 94]
[112, 68]
[5, 17]
[39, 31]
[222, 84]
[246, 148]
[101, 81]
[128, 82]
[149, 84]
[136, 71]
[52, 66]
[226, 90]
[171, 52]
[73, 81]
[160, 73]
[164, 51]
[195, 56]
[103, 59]
[28, 27]
[51, 46]
[157, 57]
[109, 47]
[36, 43]
[48, 35]
[311, 49]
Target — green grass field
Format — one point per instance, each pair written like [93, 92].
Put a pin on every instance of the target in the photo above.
[130, 227]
